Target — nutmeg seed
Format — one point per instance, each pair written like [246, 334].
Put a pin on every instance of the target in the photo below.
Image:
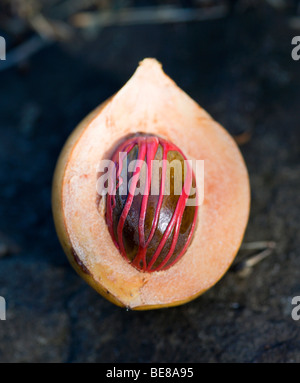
[147, 216]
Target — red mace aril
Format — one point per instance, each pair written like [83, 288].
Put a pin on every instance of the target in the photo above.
[150, 222]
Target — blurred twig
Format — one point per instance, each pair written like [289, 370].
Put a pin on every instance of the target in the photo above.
[146, 15]
[50, 29]
[66, 8]
[47, 31]
[258, 245]
[243, 267]
[23, 52]
[243, 138]
[7, 246]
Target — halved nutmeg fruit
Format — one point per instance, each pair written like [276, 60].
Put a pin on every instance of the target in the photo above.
[150, 195]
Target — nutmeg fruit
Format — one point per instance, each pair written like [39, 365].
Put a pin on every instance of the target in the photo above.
[151, 227]
[139, 248]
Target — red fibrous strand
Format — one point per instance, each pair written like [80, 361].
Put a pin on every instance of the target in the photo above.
[147, 148]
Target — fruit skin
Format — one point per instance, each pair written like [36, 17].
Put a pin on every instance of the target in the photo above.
[57, 205]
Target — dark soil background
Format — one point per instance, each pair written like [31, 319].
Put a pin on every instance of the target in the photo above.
[239, 68]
